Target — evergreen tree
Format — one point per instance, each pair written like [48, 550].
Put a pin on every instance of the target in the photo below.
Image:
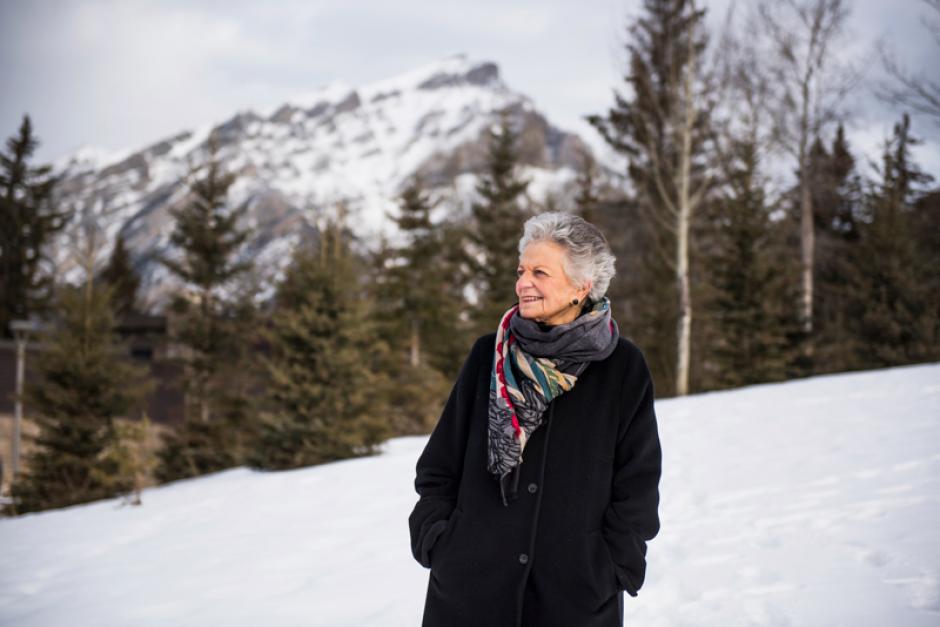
[925, 225]
[748, 281]
[85, 381]
[497, 225]
[420, 288]
[588, 196]
[28, 223]
[212, 329]
[836, 192]
[449, 354]
[890, 313]
[123, 279]
[425, 284]
[323, 394]
[644, 289]
[835, 187]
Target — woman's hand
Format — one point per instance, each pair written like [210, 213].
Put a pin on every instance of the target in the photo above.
[440, 465]
[632, 518]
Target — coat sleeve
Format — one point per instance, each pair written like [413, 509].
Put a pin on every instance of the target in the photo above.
[632, 518]
[440, 465]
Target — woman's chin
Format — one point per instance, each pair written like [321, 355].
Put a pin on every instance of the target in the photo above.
[530, 313]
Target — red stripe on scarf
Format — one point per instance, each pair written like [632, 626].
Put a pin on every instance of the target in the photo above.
[499, 369]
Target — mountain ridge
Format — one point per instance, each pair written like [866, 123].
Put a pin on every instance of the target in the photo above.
[358, 145]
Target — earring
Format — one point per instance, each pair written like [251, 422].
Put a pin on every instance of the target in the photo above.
[575, 301]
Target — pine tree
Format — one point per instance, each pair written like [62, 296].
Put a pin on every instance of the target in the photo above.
[324, 382]
[836, 193]
[425, 282]
[925, 224]
[890, 313]
[644, 288]
[212, 329]
[420, 288]
[123, 279]
[748, 282]
[835, 187]
[85, 381]
[28, 224]
[662, 128]
[450, 352]
[497, 226]
[588, 197]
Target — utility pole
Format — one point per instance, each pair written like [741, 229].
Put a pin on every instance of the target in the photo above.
[21, 333]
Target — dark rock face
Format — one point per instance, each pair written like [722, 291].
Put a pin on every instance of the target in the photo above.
[349, 103]
[539, 144]
[482, 75]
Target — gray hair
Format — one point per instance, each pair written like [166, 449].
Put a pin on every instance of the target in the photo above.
[588, 257]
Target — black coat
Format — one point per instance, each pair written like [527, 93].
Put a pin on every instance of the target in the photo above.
[588, 498]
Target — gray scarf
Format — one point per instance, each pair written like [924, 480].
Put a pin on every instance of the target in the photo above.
[533, 364]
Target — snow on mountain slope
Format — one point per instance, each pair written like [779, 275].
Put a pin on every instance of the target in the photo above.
[358, 145]
[812, 502]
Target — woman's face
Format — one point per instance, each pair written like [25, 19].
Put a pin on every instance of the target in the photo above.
[545, 292]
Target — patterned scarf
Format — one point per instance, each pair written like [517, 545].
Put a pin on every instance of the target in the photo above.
[534, 364]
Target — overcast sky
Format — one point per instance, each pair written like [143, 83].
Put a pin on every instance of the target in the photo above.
[119, 74]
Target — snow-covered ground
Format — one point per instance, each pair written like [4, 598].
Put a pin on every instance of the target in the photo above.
[812, 502]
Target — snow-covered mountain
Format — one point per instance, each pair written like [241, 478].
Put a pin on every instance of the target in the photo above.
[359, 145]
[810, 502]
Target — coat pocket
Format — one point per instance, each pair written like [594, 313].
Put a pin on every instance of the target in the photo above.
[604, 564]
[444, 537]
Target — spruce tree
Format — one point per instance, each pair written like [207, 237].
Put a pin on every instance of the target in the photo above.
[836, 192]
[449, 354]
[747, 302]
[925, 224]
[890, 313]
[210, 328]
[425, 282]
[123, 279]
[835, 187]
[324, 400]
[420, 289]
[84, 382]
[29, 221]
[498, 218]
[588, 197]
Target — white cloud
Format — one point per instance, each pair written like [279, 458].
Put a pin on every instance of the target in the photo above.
[121, 73]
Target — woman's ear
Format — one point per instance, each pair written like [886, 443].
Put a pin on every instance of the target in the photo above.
[584, 291]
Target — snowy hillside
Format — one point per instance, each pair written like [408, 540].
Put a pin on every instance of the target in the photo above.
[358, 145]
[808, 503]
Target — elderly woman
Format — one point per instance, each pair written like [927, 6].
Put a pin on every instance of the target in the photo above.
[539, 485]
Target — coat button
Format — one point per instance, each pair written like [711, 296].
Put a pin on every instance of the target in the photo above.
[523, 558]
[533, 488]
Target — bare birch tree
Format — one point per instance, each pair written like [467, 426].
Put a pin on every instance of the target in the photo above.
[808, 86]
[661, 131]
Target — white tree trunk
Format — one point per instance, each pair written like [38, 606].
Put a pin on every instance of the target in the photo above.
[807, 240]
[684, 327]
[685, 206]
